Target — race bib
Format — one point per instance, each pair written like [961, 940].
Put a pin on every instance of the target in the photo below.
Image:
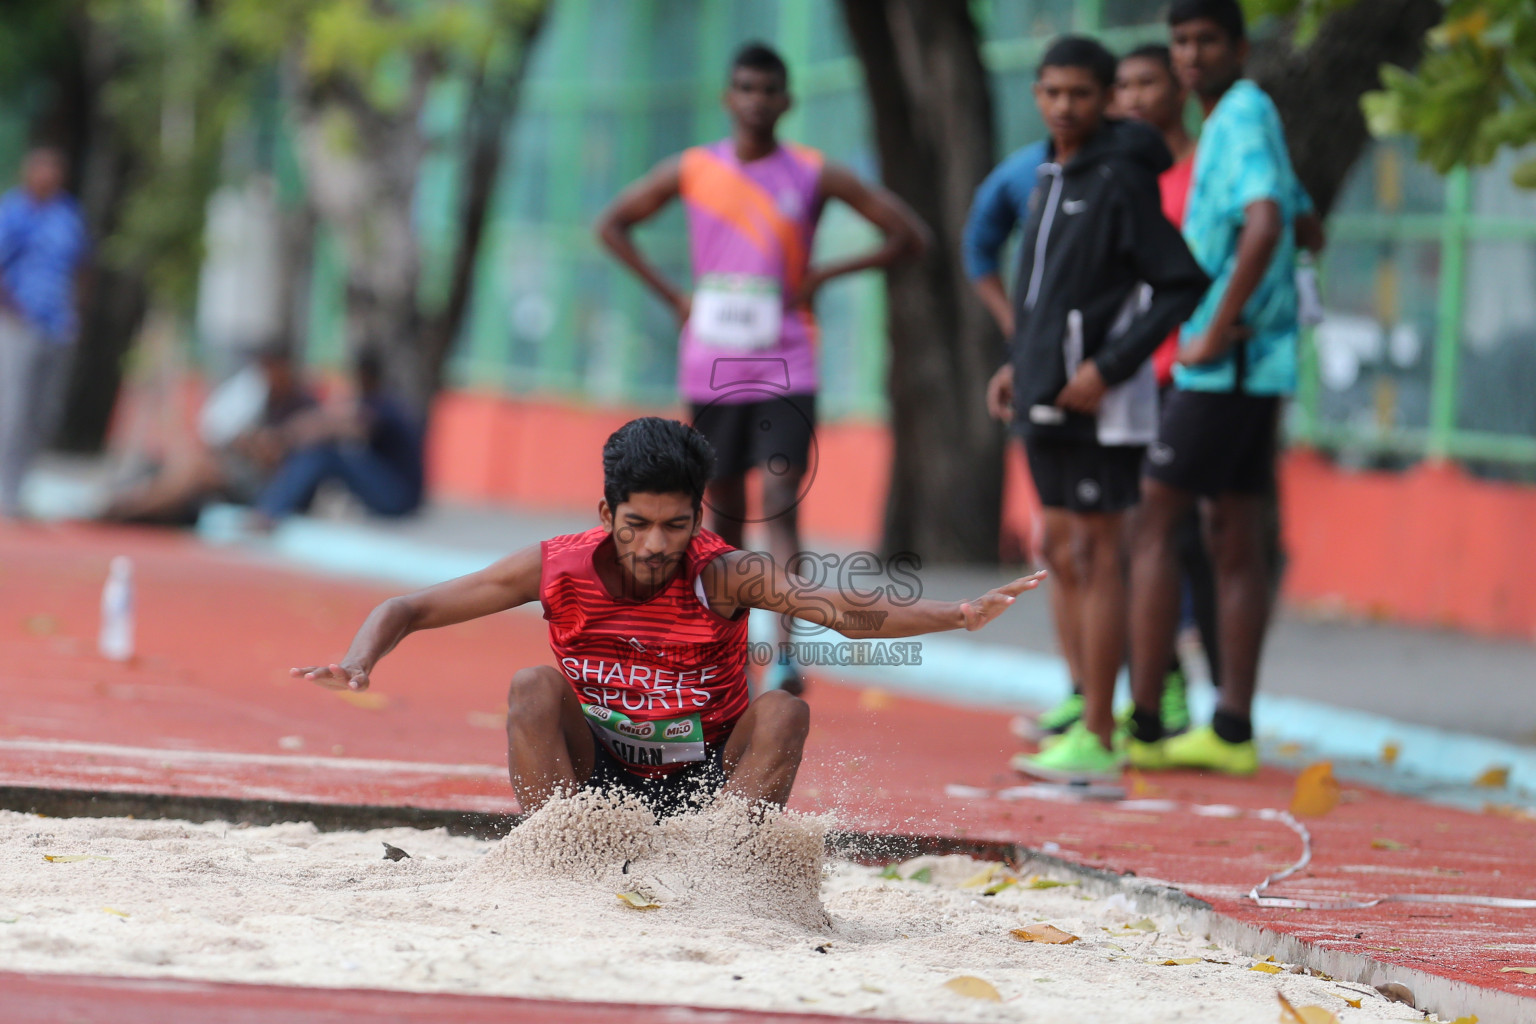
[737, 311]
[664, 741]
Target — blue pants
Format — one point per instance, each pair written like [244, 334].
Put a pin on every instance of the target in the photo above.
[383, 488]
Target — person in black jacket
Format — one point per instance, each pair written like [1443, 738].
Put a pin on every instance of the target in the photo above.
[1103, 277]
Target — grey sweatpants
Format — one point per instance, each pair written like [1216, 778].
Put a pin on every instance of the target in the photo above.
[33, 375]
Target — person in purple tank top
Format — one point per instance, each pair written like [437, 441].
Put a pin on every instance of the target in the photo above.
[748, 349]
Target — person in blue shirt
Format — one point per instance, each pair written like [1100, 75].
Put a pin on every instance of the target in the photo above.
[43, 245]
[1001, 205]
[1237, 360]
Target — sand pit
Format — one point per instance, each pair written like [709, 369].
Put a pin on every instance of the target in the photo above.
[746, 915]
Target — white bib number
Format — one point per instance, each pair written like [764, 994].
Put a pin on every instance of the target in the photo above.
[737, 311]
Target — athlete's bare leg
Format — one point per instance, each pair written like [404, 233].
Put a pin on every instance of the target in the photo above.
[550, 749]
[1066, 589]
[727, 501]
[1155, 590]
[781, 512]
[1243, 593]
[1099, 543]
[763, 753]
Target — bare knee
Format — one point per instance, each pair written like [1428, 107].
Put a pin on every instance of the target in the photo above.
[534, 693]
[783, 721]
[1061, 554]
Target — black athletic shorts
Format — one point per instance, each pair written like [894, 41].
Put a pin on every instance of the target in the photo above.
[1216, 442]
[666, 795]
[1085, 476]
[773, 432]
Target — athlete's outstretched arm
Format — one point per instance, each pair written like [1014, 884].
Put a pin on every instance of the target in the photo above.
[905, 233]
[749, 579]
[640, 202]
[512, 581]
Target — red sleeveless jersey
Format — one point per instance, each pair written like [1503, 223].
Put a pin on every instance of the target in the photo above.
[659, 680]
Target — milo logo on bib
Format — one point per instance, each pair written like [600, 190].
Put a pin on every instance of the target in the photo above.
[663, 741]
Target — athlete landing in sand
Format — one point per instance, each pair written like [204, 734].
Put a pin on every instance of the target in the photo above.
[648, 625]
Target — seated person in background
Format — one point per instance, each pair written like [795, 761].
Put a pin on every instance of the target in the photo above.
[242, 442]
[371, 443]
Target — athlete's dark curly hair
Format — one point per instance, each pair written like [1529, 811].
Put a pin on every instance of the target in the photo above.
[652, 455]
[761, 57]
[1227, 15]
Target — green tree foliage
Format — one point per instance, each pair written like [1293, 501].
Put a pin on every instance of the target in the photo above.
[1473, 94]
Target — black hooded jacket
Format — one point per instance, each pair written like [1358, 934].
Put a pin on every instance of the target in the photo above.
[1103, 275]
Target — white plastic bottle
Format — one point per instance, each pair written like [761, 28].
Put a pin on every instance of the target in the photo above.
[116, 639]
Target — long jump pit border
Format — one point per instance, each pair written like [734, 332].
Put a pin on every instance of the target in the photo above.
[33, 997]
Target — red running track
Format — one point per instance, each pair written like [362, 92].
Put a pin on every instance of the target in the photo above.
[209, 710]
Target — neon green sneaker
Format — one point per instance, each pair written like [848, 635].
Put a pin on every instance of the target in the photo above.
[1063, 716]
[1148, 757]
[1202, 748]
[1078, 756]
[1175, 708]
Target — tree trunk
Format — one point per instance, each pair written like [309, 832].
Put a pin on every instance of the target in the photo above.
[1318, 88]
[361, 165]
[932, 106]
[114, 304]
[492, 103]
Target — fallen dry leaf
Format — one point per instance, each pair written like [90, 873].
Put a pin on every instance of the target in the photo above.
[1146, 924]
[1517, 970]
[1396, 992]
[985, 877]
[1180, 961]
[1387, 844]
[1040, 882]
[1352, 1003]
[1317, 791]
[637, 901]
[1266, 968]
[113, 910]
[71, 858]
[1496, 777]
[1043, 933]
[1290, 1014]
[395, 853]
[1389, 752]
[973, 988]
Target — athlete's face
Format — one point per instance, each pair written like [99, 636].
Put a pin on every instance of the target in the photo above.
[1072, 103]
[650, 534]
[1207, 59]
[756, 99]
[1145, 90]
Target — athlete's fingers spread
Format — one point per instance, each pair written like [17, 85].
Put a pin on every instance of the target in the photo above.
[1022, 584]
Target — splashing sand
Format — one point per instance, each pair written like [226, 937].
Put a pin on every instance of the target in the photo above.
[750, 916]
[721, 862]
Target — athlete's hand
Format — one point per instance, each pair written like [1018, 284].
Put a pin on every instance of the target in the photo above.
[682, 305]
[990, 605]
[1085, 390]
[334, 677]
[1209, 347]
[805, 295]
[1000, 394]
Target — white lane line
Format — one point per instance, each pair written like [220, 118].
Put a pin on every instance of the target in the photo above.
[354, 764]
